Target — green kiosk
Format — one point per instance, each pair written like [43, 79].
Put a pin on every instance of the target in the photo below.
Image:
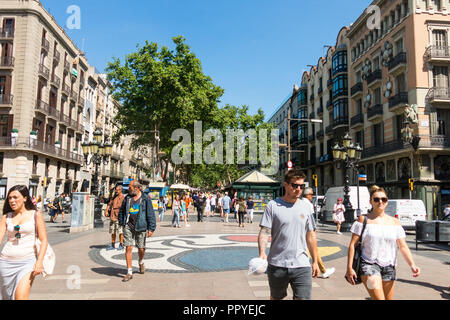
[260, 187]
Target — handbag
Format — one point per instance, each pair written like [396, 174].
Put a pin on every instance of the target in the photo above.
[49, 258]
[357, 256]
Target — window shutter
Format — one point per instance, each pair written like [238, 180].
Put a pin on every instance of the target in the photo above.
[10, 123]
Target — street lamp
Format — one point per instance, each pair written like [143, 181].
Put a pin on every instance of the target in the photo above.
[350, 155]
[100, 153]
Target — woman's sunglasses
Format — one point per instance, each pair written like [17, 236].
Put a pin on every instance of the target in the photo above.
[384, 200]
[18, 235]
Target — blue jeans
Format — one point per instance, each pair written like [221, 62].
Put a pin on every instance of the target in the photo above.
[176, 215]
[161, 214]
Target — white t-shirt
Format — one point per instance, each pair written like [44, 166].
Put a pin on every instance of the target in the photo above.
[379, 242]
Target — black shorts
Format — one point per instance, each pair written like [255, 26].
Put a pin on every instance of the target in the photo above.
[300, 280]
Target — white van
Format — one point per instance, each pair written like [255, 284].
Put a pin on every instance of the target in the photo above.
[333, 194]
[407, 211]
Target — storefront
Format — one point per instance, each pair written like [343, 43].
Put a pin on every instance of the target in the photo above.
[156, 190]
[260, 187]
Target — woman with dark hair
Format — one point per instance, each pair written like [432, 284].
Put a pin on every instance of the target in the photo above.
[382, 237]
[19, 264]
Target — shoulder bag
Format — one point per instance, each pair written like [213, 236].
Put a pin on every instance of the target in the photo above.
[357, 256]
[49, 258]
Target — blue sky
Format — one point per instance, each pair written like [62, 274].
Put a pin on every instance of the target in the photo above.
[255, 50]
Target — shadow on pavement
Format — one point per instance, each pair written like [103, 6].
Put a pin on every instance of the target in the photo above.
[112, 272]
[102, 246]
[444, 295]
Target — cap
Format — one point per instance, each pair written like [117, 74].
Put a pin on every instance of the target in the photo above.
[340, 199]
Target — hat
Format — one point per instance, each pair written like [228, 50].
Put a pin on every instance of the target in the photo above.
[340, 199]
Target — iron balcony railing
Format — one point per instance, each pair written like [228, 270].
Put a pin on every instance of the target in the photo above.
[438, 52]
[376, 75]
[399, 59]
[358, 119]
[320, 134]
[66, 89]
[329, 130]
[437, 93]
[57, 55]
[340, 121]
[7, 61]
[400, 98]
[45, 44]
[357, 88]
[44, 71]
[376, 110]
[384, 148]
[56, 81]
[6, 99]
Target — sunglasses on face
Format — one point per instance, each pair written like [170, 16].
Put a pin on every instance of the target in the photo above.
[296, 186]
[17, 229]
[384, 200]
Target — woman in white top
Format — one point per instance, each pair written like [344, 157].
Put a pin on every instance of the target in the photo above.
[381, 240]
[338, 214]
[19, 264]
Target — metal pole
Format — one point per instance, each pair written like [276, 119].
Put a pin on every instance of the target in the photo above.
[98, 222]
[358, 212]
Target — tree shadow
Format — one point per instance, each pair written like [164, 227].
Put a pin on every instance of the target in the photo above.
[111, 272]
[440, 289]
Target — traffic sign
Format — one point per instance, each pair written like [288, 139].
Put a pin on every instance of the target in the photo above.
[290, 165]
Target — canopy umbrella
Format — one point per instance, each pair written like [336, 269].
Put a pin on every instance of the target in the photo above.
[180, 187]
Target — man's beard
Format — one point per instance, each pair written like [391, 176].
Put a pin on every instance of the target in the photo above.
[132, 193]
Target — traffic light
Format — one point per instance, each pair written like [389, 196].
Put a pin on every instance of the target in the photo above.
[411, 184]
[44, 182]
[315, 180]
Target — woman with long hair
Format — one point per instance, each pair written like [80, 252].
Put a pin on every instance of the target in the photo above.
[381, 240]
[19, 264]
[176, 207]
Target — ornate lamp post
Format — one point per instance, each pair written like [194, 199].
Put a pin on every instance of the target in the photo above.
[100, 153]
[350, 155]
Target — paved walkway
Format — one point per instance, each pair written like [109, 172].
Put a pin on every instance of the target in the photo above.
[207, 261]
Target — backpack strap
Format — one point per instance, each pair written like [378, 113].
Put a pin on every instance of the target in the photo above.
[364, 228]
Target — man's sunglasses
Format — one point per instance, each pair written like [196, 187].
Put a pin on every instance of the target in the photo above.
[17, 229]
[296, 186]
[384, 200]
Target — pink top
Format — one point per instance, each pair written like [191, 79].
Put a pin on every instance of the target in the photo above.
[20, 249]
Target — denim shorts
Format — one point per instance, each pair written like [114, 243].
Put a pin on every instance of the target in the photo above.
[300, 280]
[372, 269]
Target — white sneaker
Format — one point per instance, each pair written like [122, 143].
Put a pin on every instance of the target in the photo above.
[328, 273]
[339, 232]
[188, 225]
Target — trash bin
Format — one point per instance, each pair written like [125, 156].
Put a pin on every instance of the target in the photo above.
[426, 231]
[444, 231]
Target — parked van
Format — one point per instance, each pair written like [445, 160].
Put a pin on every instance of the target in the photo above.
[333, 194]
[407, 211]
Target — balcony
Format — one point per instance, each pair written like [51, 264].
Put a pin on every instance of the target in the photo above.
[55, 81]
[66, 66]
[340, 122]
[398, 64]
[44, 108]
[374, 78]
[6, 34]
[320, 111]
[311, 98]
[439, 95]
[45, 45]
[320, 134]
[375, 112]
[340, 69]
[66, 89]
[399, 101]
[50, 150]
[438, 54]
[329, 131]
[7, 62]
[329, 83]
[326, 158]
[64, 119]
[6, 100]
[74, 96]
[396, 145]
[357, 121]
[81, 101]
[44, 72]
[357, 89]
[56, 56]
[329, 104]
[434, 141]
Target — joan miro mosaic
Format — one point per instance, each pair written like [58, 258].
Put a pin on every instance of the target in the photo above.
[199, 253]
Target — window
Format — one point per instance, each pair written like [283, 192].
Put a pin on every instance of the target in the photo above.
[359, 106]
[376, 63]
[359, 138]
[302, 113]
[377, 96]
[443, 121]
[3, 186]
[440, 77]
[340, 112]
[340, 86]
[4, 129]
[358, 76]
[400, 83]
[340, 62]
[399, 46]
[302, 99]
[440, 38]
[35, 164]
[303, 133]
[377, 135]
[2, 155]
[398, 126]
[8, 27]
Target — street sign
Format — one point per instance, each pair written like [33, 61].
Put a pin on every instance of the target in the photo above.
[362, 177]
[290, 165]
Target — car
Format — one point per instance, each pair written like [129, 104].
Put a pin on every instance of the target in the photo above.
[332, 194]
[407, 211]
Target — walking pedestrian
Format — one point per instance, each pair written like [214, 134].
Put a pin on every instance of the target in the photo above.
[220, 204]
[208, 205]
[112, 211]
[308, 195]
[242, 208]
[289, 220]
[176, 208]
[213, 204]
[382, 238]
[338, 214]
[250, 206]
[138, 220]
[201, 202]
[161, 209]
[184, 211]
[19, 264]
[226, 202]
[57, 204]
